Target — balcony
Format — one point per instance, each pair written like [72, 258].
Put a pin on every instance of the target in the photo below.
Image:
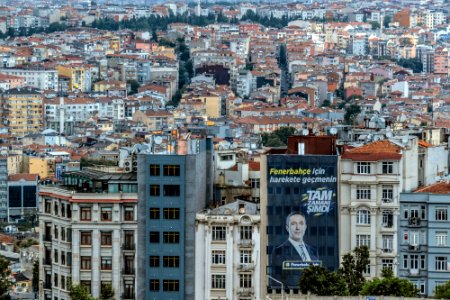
[246, 243]
[414, 248]
[129, 246]
[388, 250]
[47, 237]
[245, 291]
[47, 261]
[247, 266]
[128, 271]
[387, 200]
[414, 221]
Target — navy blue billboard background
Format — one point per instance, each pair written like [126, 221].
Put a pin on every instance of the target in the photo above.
[302, 215]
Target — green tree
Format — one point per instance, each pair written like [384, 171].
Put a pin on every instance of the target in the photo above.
[35, 280]
[326, 103]
[353, 266]
[107, 292]
[79, 292]
[4, 278]
[319, 281]
[389, 286]
[277, 138]
[442, 291]
[351, 113]
[386, 21]
[133, 86]
[375, 25]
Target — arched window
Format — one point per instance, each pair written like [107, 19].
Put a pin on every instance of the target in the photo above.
[363, 216]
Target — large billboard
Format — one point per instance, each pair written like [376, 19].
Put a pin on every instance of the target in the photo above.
[302, 215]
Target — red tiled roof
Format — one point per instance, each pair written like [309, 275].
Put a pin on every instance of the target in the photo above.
[437, 188]
[374, 151]
[24, 176]
[424, 144]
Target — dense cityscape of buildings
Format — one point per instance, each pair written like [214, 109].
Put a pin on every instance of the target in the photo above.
[175, 150]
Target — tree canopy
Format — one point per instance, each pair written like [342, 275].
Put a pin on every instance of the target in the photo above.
[442, 291]
[278, 137]
[5, 283]
[79, 292]
[389, 286]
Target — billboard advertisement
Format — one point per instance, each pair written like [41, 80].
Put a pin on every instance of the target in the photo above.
[302, 215]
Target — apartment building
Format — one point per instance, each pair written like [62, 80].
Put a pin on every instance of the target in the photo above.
[372, 177]
[227, 252]
[22, 196]
[88, 234]
[176, 179]
[22, 111]
[3, 188]
[40, 78]
[424, 250]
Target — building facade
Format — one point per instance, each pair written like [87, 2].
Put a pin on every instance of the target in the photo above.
[372, 177]
[23, 112]
[22, 196]
[88, 231]
[227, 252]
[175, 186]
[424, 250]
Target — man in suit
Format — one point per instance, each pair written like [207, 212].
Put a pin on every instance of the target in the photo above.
[286, 257]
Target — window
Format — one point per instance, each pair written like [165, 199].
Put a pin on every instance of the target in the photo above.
[441, 263]
[414, 238]
[388, 167]
[55, 279]
[218, 257]
[255, 183]
[106, 263]
[171, 170]
[154, 170]
[63, 234]
[106, 238]
[388, 243]
[387, 218]
[441, 238]
[171, 190]
[86, 284]
[154, 261]
[171, 237]
[363, 167]
[171, 261]
[154, 213]
[85, 214]
[56, 255]
[171, 213]
[129, 213]
[154, 285]
[387, 193]
[63, 282]
[218, 233]
[363, 217]
[218, 281]
[441, 213]
[245, 280]
[56, 232]
[104, 284]
[63, 258]
[106, 213]
[422, 262]
[154, 190]
[246, 256]
[86, 238]
[171, 285]
[154, 237]
[246, 232]
[363, 192]
[387, 263]
[363, 240]
[85, 263]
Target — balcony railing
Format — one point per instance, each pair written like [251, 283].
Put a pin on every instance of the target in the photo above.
[128, 271]
[245, 291]
[414, 221]
[129, 246]
[246, 243]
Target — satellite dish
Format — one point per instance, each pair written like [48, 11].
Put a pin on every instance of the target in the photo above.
[389, 134]
[305, 132]
[333, 130]
[158, 140]
[405, 140]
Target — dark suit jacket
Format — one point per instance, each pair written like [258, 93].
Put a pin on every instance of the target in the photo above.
[287, 252]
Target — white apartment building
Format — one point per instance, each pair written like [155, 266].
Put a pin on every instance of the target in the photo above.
[372, 177]
[227, 252]
[41, 79]
[87, 239]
